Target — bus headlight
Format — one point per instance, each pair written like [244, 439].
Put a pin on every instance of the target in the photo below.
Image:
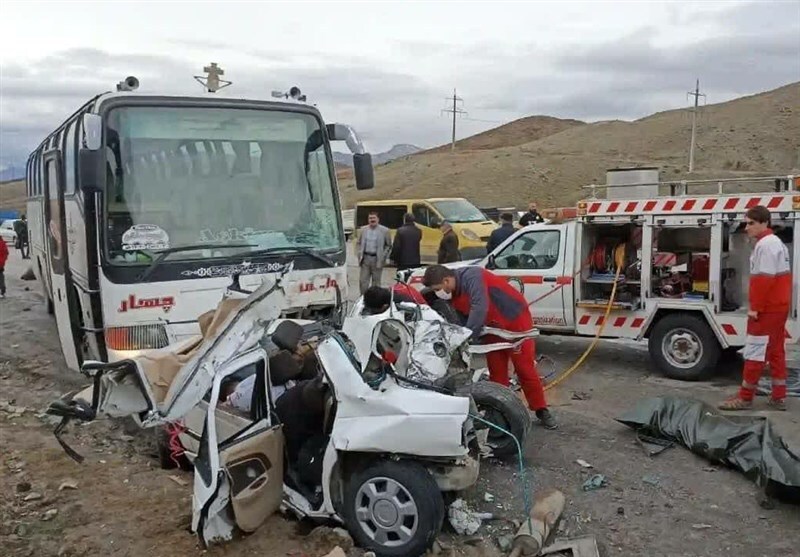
[470, 235]
[137, 337]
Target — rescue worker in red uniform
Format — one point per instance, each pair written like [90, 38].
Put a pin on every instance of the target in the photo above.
[770, 295]
[488, 300]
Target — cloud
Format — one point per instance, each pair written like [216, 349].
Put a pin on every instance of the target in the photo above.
[744, 49]
[37, 97]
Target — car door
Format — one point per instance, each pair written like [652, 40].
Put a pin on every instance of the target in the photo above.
[534, 262]
[240, 476]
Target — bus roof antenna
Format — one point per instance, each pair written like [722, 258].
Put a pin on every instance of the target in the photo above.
[211, 81]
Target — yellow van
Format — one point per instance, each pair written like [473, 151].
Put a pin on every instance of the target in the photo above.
[471, 225]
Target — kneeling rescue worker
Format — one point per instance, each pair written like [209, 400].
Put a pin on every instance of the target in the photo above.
[488, 300]
[770, 294]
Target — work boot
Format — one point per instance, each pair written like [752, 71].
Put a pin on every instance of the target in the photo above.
[546, 418]
[777, 403]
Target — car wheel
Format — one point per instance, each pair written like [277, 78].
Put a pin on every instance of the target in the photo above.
[502, 407]
[683, 346]
[393, 508]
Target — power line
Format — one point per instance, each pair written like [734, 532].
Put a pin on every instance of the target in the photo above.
[696, 94]
[455, 111]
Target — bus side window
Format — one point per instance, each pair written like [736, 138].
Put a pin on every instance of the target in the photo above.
[69, 159]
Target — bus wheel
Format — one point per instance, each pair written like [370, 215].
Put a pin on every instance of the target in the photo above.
[684, 347]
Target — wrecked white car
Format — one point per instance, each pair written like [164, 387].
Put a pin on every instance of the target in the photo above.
[275, 413]
[434, 353]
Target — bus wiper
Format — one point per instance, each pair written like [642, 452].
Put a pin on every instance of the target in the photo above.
[163, 254]
[305, 250]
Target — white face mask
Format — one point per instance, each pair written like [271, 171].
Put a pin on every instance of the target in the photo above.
[442, 295]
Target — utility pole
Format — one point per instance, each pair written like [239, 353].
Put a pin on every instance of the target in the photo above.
[696, 94]
[455, 111]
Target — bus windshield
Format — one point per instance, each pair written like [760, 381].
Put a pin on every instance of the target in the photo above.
[183, 176]
[459, 210]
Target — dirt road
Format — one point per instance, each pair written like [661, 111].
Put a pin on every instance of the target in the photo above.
[119, 503]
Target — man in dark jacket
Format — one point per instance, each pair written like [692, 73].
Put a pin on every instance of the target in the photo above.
[489, 300]
[405, 249]
[448, 247]
[21, 230]
[532, 216]
[499, 235]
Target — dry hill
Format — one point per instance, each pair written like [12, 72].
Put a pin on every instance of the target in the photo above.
[759, 134]
[12, 195]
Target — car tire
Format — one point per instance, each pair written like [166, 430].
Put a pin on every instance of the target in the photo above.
[501, 406]
[375, 500]
[165, 454]
[684, 347]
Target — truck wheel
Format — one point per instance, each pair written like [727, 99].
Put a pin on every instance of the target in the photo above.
[393, 508]
[501, 406]
[683, 346]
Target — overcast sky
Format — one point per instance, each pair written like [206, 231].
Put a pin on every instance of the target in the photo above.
[386, 68]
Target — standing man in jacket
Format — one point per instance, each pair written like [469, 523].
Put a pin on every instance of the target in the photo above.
[448, 247]
[532, 216]
[488, 300]
[3, 260]
[500, 235]
[374, 243]
[405, 250]
[770, 295]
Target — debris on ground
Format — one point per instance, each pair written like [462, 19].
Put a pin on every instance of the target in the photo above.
[595, 482]
[178, 480]
[68, 484]
[747, 443]
[584, 546]
[584, 464]
[464, 520]
[536, 528]
[488, 497]
[336, 552]
[580, 395]
[32, 496]
[651, 479]
[50, 514]
[325, 536]
[701, 526]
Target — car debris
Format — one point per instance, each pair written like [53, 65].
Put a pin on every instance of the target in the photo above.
[583, 546]
[539, 525]
[360, 406]
[463, 519]
[746, 443]
[583, 463]
[68, 484]
[597, 481]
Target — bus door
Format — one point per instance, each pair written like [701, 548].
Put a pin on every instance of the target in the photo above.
[65, 305]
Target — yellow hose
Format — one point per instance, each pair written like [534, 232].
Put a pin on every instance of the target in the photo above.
[619, 259]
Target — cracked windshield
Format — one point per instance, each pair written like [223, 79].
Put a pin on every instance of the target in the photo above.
[459, 210]
[179, 177]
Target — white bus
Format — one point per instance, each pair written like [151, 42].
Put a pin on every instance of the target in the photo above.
[141, 209]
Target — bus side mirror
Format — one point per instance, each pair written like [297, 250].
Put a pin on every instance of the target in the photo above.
[490, 263]
[91, 167]
[363, 171]
[92, 131]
